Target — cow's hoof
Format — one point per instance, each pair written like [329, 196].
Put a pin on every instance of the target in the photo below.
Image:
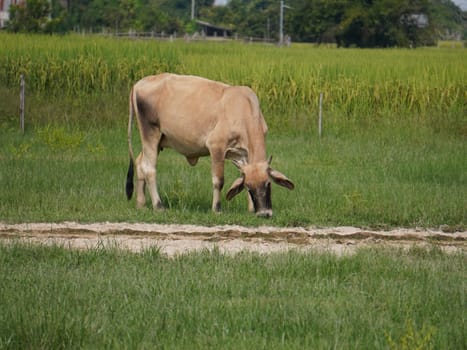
[159, 207]
[217, 208]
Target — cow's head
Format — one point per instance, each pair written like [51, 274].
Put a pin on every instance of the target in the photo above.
[256, 178]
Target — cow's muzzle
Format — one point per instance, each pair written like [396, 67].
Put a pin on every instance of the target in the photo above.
[262, 201]
[265, 213]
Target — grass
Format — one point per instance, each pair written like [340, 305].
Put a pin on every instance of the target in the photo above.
[52, 297]
[379, 180]
[392, 152]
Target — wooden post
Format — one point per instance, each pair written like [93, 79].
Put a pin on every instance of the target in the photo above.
[21, 103]
[320, 119]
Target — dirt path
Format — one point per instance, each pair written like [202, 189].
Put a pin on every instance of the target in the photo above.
[177, 239]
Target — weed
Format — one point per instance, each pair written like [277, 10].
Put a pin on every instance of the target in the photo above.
[96, 149]
[57, 138]
[21, 150]
[412, 339]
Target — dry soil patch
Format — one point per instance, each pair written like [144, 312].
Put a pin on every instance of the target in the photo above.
[178, 239]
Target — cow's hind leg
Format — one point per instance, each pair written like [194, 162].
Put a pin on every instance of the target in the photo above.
[140, 183]
[146, 169]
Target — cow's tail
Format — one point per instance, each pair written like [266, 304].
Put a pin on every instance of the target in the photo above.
[131, 167]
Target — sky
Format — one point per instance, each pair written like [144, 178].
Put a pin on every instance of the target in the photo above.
[461, 3]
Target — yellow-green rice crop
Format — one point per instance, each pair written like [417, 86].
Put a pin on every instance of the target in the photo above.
[423, 84]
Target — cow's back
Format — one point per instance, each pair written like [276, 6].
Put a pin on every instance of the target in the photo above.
[189, 109]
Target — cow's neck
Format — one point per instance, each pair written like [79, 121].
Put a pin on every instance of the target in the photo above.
[256, 151]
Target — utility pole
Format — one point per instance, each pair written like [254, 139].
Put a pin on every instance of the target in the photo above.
[192, 9]
[281, 22]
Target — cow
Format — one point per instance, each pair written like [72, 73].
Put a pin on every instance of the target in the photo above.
[199, 117]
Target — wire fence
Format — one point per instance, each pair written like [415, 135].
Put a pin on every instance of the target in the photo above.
[198, 36]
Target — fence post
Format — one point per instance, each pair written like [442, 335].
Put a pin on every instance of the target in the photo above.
[320, 119]
[21, 103]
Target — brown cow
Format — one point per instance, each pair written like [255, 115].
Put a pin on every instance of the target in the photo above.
[199, 117]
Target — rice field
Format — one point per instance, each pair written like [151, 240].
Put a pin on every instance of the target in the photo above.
[427, 85]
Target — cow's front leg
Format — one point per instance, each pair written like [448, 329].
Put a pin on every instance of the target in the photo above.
[251, 205]
[217, 180]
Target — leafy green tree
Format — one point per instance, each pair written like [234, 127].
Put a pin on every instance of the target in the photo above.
[362, 23]
[77, 14]
[155, 15]
[316, 21]
[449, 22]
[256, 18]
[31, 16]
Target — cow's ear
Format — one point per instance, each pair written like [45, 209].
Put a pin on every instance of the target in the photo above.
[236, 188]
[281, 179]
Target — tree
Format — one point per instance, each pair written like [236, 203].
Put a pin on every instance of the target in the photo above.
[163, 15]
[31, 16]
[449, 22]
[316, 21]
[375, 23]
[256, 18]
[363, 23]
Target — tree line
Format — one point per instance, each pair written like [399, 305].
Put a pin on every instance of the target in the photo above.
[360, 23]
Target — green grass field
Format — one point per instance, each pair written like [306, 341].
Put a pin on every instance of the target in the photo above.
[377, 180]
[392, 152]
[57, 298]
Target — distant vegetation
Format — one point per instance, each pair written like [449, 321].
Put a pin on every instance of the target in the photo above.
[425, 85]
[347, 23]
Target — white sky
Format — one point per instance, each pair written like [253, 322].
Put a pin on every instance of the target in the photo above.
[461, 3]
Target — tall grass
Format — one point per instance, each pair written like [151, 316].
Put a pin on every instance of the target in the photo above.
[424, 84]
[58, 298]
